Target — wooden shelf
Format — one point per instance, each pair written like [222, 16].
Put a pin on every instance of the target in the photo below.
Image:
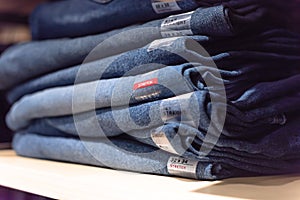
[70, 181]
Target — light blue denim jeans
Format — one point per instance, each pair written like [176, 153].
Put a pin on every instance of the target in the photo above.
[127, 155]
[245, 116]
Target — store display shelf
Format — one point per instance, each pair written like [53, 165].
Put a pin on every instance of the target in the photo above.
[71, 181]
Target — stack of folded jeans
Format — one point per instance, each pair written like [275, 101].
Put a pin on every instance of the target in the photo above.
[199, 89]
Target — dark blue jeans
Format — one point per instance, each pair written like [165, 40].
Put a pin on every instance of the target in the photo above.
[279, 144]
[75, 18]
[55, 20]
[37, 58]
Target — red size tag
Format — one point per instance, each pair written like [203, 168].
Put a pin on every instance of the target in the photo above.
[146, 83]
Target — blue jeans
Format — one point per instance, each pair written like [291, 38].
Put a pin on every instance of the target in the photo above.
[126, 154]
[245, 116]
[130, 63]
[75, 18]
[164, 83]
[245, 91]
[54, 20]
[129, 155]
[278, 145]
[37, 58]
[267, 52]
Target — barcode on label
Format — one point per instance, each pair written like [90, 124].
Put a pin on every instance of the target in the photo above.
[175, 33]
[177, 25]
[163, 7]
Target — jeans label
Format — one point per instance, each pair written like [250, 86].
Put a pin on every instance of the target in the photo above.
[182, 167]
[177, 25]
[144, 84]
[168, 113]
[175, 107]
[164, 6]
[146, 96]
[160, 139]
[164, 43]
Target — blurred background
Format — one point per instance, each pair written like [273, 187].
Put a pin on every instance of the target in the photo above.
[14, 28]
[14, 21]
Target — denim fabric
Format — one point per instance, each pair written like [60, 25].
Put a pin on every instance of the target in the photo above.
[263, 117]
[134, 62]
[21, 114]
[168, 82]
[75, 18]
[123, 154]
[292, 11]
[249, 9]
[187, 141]
[118, 120]
[268, 150]
[279, 145]
[269, 50]
[37, 58]
[54, 20]
[263, 93]
[130, 155]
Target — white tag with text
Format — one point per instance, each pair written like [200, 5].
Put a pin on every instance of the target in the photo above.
[182, 167]
[162, 142]
[161, 44]
[164, 6]
[177, 25]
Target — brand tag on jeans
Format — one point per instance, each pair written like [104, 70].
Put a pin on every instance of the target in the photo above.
[182, 167]
[175, 107]
[144, 84]
[160, 139]
[164, 43]
[164, 6]
[177, 25]
[147, 96]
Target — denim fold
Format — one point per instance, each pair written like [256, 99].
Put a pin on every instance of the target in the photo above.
[126, 155]
[41, 57]
[272, 48]
[195, 108]
[79, 18]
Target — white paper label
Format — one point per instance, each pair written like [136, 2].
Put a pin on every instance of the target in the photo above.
[182, 167]
[169, 111]
[161, 43]
[163, 6]
[162, 142]
[177, 25]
